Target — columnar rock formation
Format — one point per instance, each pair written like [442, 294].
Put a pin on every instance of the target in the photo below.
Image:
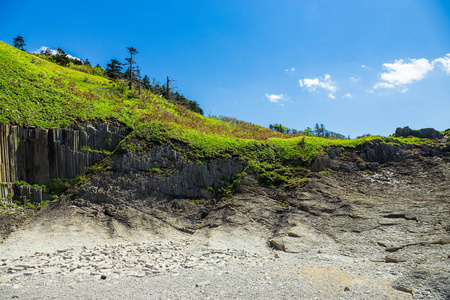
[177, 175]
[36, 155]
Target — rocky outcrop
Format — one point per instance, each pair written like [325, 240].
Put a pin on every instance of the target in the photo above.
[425, 133]
[178, 175]
[374, 153]
[5, 191]
[163, 173]
[31, 194]
[36, 155]
[381, 152]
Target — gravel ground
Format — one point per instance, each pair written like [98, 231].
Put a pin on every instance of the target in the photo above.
[173, 270]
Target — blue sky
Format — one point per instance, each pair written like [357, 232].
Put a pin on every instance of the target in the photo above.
[356, 66]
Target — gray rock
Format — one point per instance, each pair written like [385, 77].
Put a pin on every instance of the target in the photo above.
[411, 280]
[425, 133]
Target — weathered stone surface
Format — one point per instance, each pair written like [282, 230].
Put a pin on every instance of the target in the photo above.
[27, 193]
[5, 192]
[321, 163]
[380, 153]
[425, 133]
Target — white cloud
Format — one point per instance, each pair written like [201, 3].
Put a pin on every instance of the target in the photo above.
[321, 82]
[364, 67]
[277, 98]
[401, 73]
[348, 95]
[384, 85]
[444, 62]
[405, 73]
[44, 49]
[355, 79]
[292, 69]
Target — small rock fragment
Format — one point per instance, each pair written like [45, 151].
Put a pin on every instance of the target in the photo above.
[278, 244]
[202, 284]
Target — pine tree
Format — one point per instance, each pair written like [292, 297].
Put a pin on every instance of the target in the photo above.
[114, 69]
[61, 57]
[132, 51]
[19, 43]
[146, 82]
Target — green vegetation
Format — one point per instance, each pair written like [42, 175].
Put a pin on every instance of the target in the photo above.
[43, 204]
[58, 186]
[277, 161]
[28, 205]
[157, 171]
[104, 151]
[24, 183]
[21, 183]
[36, 91]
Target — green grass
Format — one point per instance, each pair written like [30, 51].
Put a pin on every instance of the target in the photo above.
[43, 204]
[38, 92]
[21, 182]
[277, 161]
[104, 151]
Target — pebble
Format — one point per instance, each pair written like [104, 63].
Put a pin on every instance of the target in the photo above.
[129, 259]
[202, 284]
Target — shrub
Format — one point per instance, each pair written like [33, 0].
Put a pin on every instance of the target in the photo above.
[21, 183]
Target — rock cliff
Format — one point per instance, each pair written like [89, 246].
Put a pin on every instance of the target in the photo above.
[384, 203]
[36, 155]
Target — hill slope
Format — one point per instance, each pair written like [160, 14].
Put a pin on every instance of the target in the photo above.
[147, 169]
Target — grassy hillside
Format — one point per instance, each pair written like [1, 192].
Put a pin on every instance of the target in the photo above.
[37, 92]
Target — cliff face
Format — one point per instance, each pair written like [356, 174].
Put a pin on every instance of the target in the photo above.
[36, 155]
[171, 174]
[146, 179]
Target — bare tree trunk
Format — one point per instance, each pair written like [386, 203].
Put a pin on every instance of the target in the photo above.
[131, 72]
[168, 89]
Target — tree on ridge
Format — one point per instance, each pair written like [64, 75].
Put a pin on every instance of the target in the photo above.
[132, 51]
[114, 69]
[19, 43]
